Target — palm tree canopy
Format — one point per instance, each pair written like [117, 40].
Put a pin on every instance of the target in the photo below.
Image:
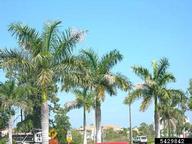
[97, 73]
[84, 98]
[154, 84]
[11, 95]
[42, 54]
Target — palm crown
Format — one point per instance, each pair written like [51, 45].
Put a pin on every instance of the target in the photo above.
[42, 56]
[154, 88]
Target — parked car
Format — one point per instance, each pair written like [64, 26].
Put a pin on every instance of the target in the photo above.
[140, 140]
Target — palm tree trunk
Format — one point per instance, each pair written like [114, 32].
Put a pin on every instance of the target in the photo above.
[156, 119]
[98, 121]
[130, 125]
[169, 130]
[21, 112]
[84, 126]
[164, 129]
[10, 131]
[45, 122]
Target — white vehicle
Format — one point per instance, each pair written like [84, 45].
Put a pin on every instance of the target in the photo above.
[140, 140]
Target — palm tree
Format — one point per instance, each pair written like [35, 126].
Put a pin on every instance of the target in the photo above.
[154, 88]
[84, 98]
[12, 96]
[171, 118]
[172, 111]
[130, 120]
[99, 78]
[43, 55]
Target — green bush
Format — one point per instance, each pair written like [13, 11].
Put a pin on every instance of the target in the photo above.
[3, 140]
[77, 137]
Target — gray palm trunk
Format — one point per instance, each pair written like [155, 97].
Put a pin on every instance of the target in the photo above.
[45, 122]
[130, 125]
[164, 129]
[10, 130]
[157, 125]
[157, 120]
[84, 126]
[98, 122]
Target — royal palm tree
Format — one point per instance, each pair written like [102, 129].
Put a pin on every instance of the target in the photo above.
[43, 55]
[98, 76]
[154, 87]
[85, 99]
[130, 120]
[171, 118]
[12, 96]
[172, 111]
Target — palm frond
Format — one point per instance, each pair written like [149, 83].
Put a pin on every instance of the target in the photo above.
[122, 82]
[91, 58]
[72, 63]
[27, 37]
[65, 43]
[135, 94]
[143, 73]
[162, 67]
[110, 89]
[14, 60]
[73, 79]
[167, 77]
[85, 98]
[155, 68]
[147, 99]
[45, 77]
[109, 60]
[11, 96]
[49, 34]
[72, 105]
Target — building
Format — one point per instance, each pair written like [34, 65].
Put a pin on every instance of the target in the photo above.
[91, 130]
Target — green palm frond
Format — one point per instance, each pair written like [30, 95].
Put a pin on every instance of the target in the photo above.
[122, 82]
[164, 94]
[147, 100]
[84, 98]
[173, 96]
[69, 82]
[162, 68]
[155, 68]
[179, 98]
[110, 89]
[109, 60]
[166, 78]
[143, 73]
[91, 58]
[14, 60]
[135, 94]
[49, 34]
[75, 78]
[65, 43]
[27, 37]
[45, 77]
[11, 96]
[71, 64]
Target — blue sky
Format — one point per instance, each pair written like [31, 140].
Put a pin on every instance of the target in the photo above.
[141, 30]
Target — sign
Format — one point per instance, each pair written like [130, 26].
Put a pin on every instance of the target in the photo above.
[69, 137]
